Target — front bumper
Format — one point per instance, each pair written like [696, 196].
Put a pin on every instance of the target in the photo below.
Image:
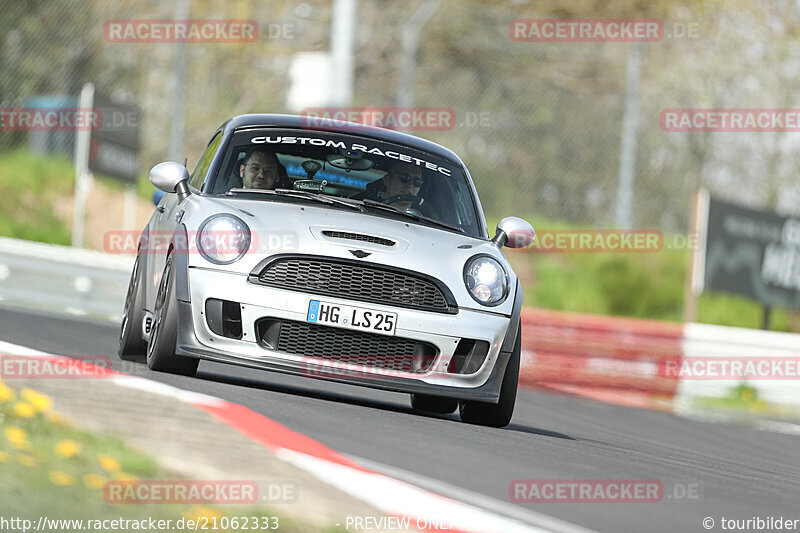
[195, 338]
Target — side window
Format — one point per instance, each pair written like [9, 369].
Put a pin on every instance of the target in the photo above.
[201, 169]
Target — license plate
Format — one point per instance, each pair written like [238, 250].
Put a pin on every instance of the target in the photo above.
[346, 316]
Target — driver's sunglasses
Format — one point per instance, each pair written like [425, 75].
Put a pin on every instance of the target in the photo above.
[406, 178]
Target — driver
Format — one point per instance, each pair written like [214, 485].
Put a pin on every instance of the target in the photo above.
[402, 180]
[259, 170]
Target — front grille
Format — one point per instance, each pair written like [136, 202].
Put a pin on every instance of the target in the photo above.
[341, 345]
[358, 237]
[355, 282]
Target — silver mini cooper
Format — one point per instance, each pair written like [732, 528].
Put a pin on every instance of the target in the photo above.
[333, 251]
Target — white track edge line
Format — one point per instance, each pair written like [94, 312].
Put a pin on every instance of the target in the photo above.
[394, 496]
[475, 499]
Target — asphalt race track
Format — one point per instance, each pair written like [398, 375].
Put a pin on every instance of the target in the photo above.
[732, 471]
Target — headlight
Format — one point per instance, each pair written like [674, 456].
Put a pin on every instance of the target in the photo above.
[223, 239]
[486, 280]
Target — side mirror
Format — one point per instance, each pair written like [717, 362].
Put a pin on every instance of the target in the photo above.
[514, 233]
[171, 177]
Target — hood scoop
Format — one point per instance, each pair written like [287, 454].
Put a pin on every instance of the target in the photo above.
[361, 237]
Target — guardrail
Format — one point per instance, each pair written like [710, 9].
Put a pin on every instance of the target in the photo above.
[63, 279]
[654, 363]
[775, 353]
[599, 355]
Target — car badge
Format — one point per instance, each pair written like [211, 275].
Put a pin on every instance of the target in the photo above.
[360, 253]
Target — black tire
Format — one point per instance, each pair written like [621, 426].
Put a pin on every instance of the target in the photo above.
[497, 415]
[434, 404]
[164, 333]
[131, 342]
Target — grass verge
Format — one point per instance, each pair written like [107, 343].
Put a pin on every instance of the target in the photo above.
[744, 398]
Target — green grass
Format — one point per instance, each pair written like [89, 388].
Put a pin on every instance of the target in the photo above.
[744, 398]
[36, 480]
[29, 188]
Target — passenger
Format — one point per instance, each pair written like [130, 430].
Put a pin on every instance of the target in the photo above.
[402, 182]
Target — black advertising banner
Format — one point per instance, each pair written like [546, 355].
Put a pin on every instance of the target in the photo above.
[114, 146]
[753, 253]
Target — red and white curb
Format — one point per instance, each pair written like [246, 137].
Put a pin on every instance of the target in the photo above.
[422, 509]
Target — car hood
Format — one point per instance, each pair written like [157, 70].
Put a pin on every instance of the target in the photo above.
[315, 229]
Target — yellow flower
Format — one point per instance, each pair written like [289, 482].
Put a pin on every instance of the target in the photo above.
[67, 448]
[4, 457]
[93, 481]
[108, 463]
[21, 445]
[40, 402]
[27, 460]
[61, 479]
[14, 433]
[122, 476]
[24, 410]
[17, 437]
[198, 512]
[6, 394]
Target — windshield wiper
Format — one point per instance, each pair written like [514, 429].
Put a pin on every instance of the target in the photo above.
[233, 191]
[387, 207]
[317, 197]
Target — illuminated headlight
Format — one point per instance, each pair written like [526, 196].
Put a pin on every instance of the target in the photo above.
[223, 239]
[486, 280]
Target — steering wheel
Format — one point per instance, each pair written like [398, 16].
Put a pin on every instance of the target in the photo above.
[414, 208]
[415, 200]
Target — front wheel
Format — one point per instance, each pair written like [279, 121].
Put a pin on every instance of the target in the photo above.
[497, 415]
[164, 334]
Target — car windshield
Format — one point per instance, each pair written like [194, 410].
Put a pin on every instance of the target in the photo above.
[419, 186]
